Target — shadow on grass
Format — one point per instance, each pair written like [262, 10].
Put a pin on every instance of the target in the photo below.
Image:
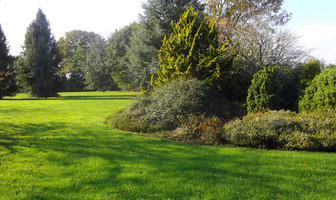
[145, 168]
[93, 97]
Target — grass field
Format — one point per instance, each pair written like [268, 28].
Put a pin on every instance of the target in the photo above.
[60, 148]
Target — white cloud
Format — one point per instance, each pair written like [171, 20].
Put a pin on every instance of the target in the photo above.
[322, 39]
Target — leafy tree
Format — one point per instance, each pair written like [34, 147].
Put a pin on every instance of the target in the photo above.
[7, 81]
[97, 74]
[321, 93]
[253, 29]
[147, 40]
[232, 15]
[264, 91]
[118, 59]
[38, 69]
[73, 48]
[193, 51]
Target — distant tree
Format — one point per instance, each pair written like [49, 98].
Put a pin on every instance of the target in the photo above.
[73, 48]
[193, 51]
[38, 69]
[147, 40]
[118, 59]
[97, 74]
[7, 81]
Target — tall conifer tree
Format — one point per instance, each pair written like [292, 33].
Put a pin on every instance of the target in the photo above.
[7, 82]
[38, 69]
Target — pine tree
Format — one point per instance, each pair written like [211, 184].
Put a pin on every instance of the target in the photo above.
[38, 69]
[7, 82]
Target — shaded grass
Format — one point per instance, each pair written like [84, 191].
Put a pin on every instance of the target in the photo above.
[57, 149]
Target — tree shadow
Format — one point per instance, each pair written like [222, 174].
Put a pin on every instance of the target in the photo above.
[79, 97]
[137, 167]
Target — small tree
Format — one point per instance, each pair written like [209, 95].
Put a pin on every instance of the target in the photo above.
[38, 69]
[7, 82]
[193, 51]
[321, 93]
[264, 91]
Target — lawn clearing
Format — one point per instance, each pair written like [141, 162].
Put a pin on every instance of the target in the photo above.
[60, 148]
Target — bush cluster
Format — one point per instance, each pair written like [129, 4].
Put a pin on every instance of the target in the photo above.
[284, 130]
[168, 104]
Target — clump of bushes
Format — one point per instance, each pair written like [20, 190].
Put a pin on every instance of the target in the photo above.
[321, 93]
[283, 130]
[168, 104]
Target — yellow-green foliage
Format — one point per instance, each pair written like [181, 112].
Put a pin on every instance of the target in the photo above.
[321, 94]
[284, 130]
[193, 51]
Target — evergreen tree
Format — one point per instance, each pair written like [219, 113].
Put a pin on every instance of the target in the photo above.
[38, 69]
[147, 40]
[193, 51]
[97, 74]
[7, 81]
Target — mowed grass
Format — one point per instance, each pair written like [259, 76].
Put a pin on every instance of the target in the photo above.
[61, 148]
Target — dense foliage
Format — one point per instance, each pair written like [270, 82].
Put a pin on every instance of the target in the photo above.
[273, 88]
[321, 93]
[7, 81]
[76, 48]
[263, 93]
[170, 105]
[38, 69]
[284, 130]
[97, 73]
[193, 51]
[147, 40]
[117, 57]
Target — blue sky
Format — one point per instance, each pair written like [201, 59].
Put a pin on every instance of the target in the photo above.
[313, 20]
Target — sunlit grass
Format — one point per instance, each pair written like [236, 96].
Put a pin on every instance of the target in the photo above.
[61, 148]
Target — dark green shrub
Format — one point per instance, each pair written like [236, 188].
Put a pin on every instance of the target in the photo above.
[264, 91]
[161, 110]
[284, 130]
[273, 88]
[321, 93]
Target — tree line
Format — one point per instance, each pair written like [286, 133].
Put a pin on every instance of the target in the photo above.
[243, 37]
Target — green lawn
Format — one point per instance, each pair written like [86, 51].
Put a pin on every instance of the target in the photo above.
[60, 148]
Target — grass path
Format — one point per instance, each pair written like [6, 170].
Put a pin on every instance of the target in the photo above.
[60, 148]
